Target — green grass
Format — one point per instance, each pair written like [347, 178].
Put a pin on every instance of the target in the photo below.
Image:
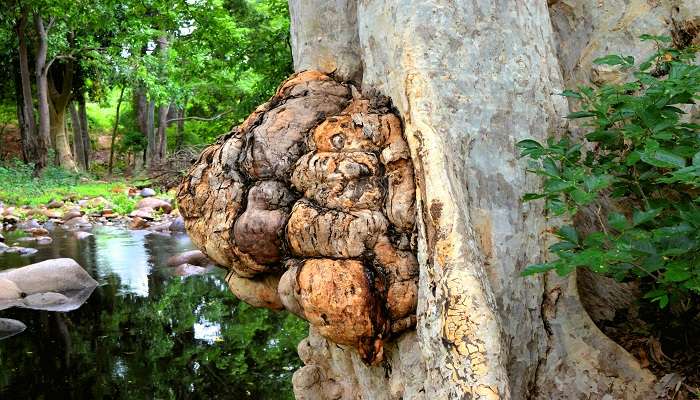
[18, 187]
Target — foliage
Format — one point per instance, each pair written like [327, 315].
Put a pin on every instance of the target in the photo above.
[18, 186]
[643, 155]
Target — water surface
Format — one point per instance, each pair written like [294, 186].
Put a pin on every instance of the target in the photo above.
[145, 333]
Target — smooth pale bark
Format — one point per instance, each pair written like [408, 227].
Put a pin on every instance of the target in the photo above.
[34, 149]
[42, 85]
[470, 80]
[77, 137]
[60, 93]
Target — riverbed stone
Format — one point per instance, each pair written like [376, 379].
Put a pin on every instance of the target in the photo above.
[147, 192]
[185, 270]
[138, 223]
[156, 204]
[143, 213]
[77, 223]
[178, 225]
[55, 204]
[45, 299]
[9, 290]
[80, 235]
[22, 251]
[44, 240]
[194, 257]
[72, 213]
[10, 327]
[37, 231]
[55, 275]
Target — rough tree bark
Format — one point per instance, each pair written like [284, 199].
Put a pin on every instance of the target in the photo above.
[34, 149]
[469, 80]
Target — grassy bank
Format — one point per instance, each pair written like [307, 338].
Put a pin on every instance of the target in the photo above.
[18, 187]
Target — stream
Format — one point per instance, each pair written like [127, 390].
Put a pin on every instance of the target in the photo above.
[144, 332]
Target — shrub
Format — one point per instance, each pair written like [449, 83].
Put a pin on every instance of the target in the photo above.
[642, 152]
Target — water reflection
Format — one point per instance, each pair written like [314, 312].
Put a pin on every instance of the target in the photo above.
[144, 333]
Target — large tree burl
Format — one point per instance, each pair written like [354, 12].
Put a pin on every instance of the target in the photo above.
[311, 205]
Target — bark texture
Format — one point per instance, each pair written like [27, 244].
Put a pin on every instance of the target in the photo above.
[470, 80]
[311, 204]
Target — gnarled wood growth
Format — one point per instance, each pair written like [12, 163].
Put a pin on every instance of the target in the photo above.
[311, 204]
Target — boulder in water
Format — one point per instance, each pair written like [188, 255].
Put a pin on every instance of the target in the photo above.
[193, 257]
[189, 270]
[178, 225]
[10, 327]
[155, 204]
[9, 290]
[55, 204]
[147, 192]
[56, 275]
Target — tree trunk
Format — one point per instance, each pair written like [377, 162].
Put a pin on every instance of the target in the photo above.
[42, 85]
[161, 135]
[469, 80]
[140, 105]
[114, 130]
[34, 148]
[151, 145]
[77, 137]
[84, 130]
[180, 131]
[60, 84]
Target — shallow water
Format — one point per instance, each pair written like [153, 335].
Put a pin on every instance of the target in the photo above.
[145, 333]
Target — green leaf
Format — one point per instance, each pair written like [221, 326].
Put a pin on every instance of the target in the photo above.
[597, 182]
[656, 38]
[580, 114]
[619, 222]
[696, 159]
[557, 185]
[663, 159]
[639, 217]
[537, 269]
[571, 93]
[613, 59]
[532, 196]
[568, 233]
[582, 198]
[529, 144]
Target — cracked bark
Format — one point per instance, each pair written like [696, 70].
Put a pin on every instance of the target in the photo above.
[295, 202]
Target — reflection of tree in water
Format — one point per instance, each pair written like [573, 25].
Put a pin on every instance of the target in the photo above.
[125, 346]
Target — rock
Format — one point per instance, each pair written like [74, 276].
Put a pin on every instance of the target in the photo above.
[55, 275]
[97, 202]
[9, 290]
[143, 213]
[77, 223]
[162, 227]
[26, 239]
[29, 224]
[2, 238]
[46, 299]
[147, 192]
[108, 213]
[138, 223]
[80, 235]
[156, 204]
[37, 231]
[10, 327]
[55, 204]
[22, 251]
[10, 219]
[194, 257]
[44, 240]
[52, 213]
[178, 225]
[189, 270]
[70, 214]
